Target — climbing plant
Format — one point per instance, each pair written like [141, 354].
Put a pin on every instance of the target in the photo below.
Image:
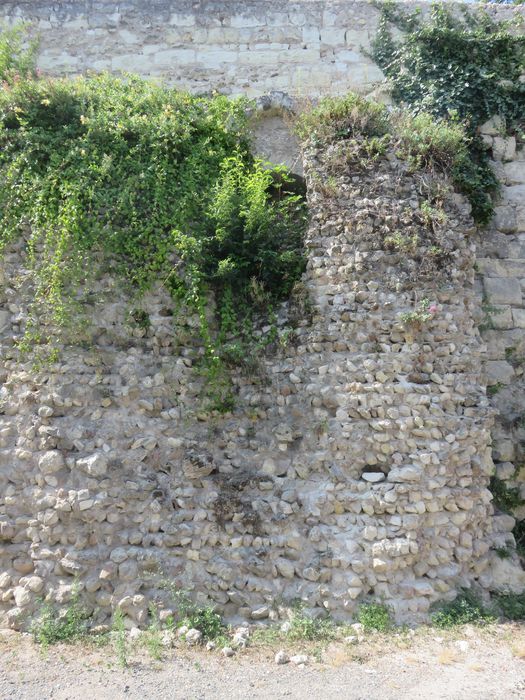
[464, 68]
[151, 184]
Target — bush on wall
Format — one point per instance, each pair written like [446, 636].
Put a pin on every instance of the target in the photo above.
[461, 68]
[158, 184]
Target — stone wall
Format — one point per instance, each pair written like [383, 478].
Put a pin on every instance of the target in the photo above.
[355, 463]
[501, 265]
[301, 47]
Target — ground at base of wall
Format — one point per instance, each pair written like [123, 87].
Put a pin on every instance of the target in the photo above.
[467, 662]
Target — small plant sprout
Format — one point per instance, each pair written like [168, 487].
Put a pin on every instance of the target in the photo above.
[375, 616]
[423, 313]
[121, 644]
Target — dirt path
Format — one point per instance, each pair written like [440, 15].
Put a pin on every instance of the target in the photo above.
[467, 664]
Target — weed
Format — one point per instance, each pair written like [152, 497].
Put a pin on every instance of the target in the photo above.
[423, 313]
[152, 638]
[503, 552]
[465, 609]
[375, 616]
[402, 242]
[306, 628]
[53, 625]
[506, 498]
[512, 605]
[337, 118]
[200, 617]
[495, 388]
[139, 318]
[432, 216]
[121, 644]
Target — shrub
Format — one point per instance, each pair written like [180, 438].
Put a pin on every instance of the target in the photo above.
[306, 628]
[17, 54]
[456, 68]
[512, 605]
[429, 142]
[342, 118]
[54, 625]
[195, 616]
[465, 609]
[375, 616]
[157, 185]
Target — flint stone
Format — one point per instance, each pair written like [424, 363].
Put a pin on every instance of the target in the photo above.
[94, 465]
[51, 462]
[402, 474]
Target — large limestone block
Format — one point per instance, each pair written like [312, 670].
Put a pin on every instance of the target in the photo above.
[504, 148]
[499, 372]
[504, 575]
[505, 219]
[515, 172]
[501, 290]
[493, 127]
[514, 195]
[518, 316]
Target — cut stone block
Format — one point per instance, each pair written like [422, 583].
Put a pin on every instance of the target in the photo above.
[503, 450]
[514, 195]
[494, 126]
[501, 317]
[504, 148]
[515, 172]
[505, 219]
[498, 372]
[518, 316]
[503, 290]
[520, 218]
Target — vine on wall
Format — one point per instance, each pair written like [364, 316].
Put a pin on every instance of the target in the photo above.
[464, 68]
[154, 183]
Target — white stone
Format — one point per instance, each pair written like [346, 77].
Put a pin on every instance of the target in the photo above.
[405, 474]
[193, 636]
[51, 462]
[373, 477]
[299, 659]
[282, 657]
[94, 465]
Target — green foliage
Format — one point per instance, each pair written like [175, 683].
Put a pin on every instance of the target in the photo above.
[423, 313]
[461, 69]
[375, 616]
[152, 639]
[306, 628]
[121, 644]
[17, 54]
[465, 609]
[512, 605]
[53, 625]
[196, 616]
[342, 118]
[519, 535]
[153, 185]
[506, 498]
[429, 142]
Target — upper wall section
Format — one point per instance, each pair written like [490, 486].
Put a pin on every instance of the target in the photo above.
[304, 48]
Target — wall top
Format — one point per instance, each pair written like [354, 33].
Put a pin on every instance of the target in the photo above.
[300, 47]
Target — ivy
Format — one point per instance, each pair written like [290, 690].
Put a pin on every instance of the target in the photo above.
[465, 69]
[148, 183]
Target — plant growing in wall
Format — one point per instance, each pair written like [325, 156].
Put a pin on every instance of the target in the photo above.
[458, 68]
[150, 184]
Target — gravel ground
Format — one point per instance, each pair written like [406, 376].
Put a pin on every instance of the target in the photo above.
[467, 664]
